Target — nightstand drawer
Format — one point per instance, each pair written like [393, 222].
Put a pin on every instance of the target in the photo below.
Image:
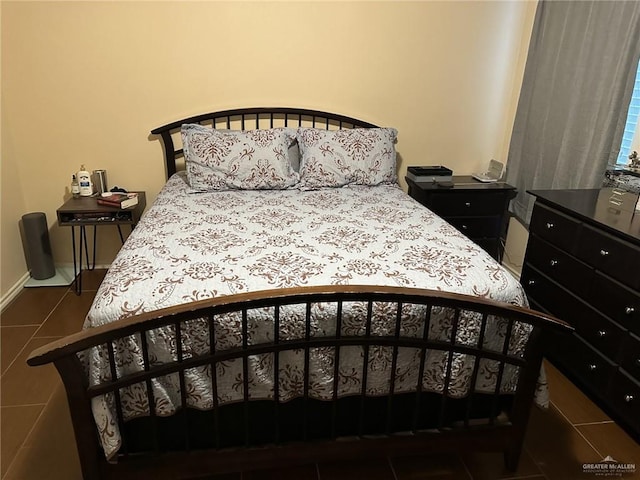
[554, 227]
[468, 203]
[477, 227]
[561, 267]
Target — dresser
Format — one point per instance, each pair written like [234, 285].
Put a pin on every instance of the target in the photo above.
[582, 264]
[479, 210]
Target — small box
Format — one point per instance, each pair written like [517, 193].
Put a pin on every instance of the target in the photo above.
[431, 173]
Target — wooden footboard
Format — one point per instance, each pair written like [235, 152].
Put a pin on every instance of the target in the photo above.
[395, 423]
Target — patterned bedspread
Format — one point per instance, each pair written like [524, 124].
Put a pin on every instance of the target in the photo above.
[190, 247]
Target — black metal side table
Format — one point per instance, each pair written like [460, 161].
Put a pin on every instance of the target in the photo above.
[83, 212]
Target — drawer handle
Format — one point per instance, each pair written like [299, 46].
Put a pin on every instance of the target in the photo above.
[629, 310]
[604, 253]
[629, 398]
[550, 226]
[464, 227]
[467, 204]
[593, 367]
[553, 263]
[533, 282]
[602, 333]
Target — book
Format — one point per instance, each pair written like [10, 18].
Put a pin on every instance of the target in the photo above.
[119, 200]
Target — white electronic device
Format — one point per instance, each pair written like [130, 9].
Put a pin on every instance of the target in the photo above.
[493, 174]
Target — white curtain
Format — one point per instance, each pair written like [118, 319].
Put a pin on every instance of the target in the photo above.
[577, 85]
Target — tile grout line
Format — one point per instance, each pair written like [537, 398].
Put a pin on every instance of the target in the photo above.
[577, 430]
[36, 331]
[393, 470]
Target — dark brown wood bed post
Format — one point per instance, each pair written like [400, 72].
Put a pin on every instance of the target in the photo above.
[523, 402]
[169, 152]
[84, 426]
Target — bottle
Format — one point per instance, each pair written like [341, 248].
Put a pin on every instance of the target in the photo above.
[75, 187]
[84, 179]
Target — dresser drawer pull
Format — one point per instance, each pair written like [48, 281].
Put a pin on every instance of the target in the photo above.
[464, 227]
[604, 253]
[467, 204]
[602, 333]
[593, 367]
[533, 282]
[550, 226]
[637, 362]
[553, 263]
[629, 398]
[629, 310]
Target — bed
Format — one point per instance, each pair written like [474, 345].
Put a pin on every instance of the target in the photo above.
[284, 301]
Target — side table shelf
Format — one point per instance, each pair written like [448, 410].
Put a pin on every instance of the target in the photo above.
[85, 211]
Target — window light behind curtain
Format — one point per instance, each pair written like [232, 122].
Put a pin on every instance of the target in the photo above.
[577, 84]
[631, 136]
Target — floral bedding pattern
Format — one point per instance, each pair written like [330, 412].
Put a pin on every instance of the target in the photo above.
[190, 247]
[226, 159]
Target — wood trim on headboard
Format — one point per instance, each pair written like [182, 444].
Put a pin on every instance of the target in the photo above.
[253, 118]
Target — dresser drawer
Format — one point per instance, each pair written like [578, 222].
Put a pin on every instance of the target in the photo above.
[617, 258]
[617, 302]
[468, 203]
[624, 393]
[561, 267]
[552, 297]
[630, 356]
[585, 363]
[477, 227]
[554, 227]
[603, 334]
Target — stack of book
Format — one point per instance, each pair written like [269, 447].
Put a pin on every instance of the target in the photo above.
[119, 200]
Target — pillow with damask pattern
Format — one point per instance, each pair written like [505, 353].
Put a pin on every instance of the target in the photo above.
[334, 158]
[235, 159]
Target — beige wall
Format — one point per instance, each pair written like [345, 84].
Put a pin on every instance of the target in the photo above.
[85, 82]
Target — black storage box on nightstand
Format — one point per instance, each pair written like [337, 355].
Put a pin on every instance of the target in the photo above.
[433, 173]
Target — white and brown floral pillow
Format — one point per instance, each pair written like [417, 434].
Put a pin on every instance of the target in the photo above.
[234, 159]
[360, 156]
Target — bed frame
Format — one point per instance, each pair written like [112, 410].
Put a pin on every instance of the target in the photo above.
[268, 433]
[450, 425]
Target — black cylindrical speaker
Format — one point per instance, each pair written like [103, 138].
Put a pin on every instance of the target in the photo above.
[37, 245]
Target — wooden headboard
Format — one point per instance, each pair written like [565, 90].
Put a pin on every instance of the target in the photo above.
[249, 119]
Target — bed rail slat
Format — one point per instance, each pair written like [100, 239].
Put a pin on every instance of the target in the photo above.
[245, 374]
[150, 397]
[276, 373]
[423, 361]
[117, 397]
[183, 386]
[336, 371]
[365, 367]
[394, 366]
[213, 365]
[447, 377]
[306, 374]
[476, 368]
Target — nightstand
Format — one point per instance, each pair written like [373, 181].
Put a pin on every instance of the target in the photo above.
[479, 210]
[85, 211]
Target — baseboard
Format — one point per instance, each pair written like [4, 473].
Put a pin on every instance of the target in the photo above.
[14, 291]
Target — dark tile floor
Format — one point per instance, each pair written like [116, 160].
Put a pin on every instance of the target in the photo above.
[37, 439]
